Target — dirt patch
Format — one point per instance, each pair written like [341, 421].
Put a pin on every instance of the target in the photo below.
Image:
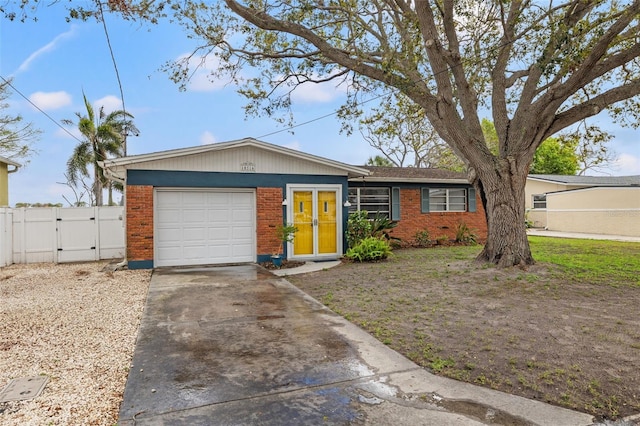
[286, 264]
[525, 332]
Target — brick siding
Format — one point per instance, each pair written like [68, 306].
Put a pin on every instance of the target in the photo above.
[269, 215]
[139, 222]
[438, 224]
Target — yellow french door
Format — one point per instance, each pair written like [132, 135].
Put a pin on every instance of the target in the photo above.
[315, 214]
[327, 226]
[303, 220]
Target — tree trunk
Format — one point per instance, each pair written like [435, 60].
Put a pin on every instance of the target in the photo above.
[110, 192]
[502, 193]
[97, 188]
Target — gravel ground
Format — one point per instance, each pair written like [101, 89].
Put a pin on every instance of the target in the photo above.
[75, 324]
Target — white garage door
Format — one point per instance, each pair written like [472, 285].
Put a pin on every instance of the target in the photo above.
[204, 227]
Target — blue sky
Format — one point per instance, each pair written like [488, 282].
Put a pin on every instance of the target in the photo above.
[51, 62]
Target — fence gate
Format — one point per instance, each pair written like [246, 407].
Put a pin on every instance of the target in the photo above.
[53, 234]
[76, 233]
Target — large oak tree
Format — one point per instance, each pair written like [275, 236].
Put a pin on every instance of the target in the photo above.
[536, 67]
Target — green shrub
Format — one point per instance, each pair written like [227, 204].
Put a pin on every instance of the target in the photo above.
[369, 249]
[358, 227]
[422, 238]
[380, 226]
[465, 235]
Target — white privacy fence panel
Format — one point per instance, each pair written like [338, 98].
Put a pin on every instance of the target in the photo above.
[65, 234]
[34, 235]
[6, 234]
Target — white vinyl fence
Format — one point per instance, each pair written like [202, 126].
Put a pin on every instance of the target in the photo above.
[53, 234]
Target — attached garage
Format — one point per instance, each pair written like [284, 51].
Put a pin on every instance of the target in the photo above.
[221, 204]
[195, 227]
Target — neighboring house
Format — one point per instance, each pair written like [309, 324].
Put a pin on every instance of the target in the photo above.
[5, 170]
[587, 204]
[221, 203]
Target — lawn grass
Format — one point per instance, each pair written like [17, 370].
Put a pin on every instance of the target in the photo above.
[564, 331]
[598, 261]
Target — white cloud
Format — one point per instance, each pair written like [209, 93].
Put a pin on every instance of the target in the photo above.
[110, 103]
[627, 164]
[207, 138]
[327, 91]
[50, 100]
[24, 66]
[200, 69]
[316, 93]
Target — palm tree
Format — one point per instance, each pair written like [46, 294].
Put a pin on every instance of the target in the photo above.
[103, 137]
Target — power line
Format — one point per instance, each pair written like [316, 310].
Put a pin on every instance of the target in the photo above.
[477, 61]
[39, 109]
[115, 66]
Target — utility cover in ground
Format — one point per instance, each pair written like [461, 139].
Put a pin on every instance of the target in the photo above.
[23, 388]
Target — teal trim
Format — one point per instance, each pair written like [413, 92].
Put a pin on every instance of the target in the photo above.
[191, 179]
[424, 200]
[471, 194]
[395, 203]
[140, 264]
[178, 179]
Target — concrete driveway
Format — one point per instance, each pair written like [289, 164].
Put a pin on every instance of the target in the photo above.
[240, 346]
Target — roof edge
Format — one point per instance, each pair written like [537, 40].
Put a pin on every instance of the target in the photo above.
[153, 156]
[9, 162]
[411, 180]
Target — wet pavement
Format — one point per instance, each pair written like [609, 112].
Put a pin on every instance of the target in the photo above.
[239, 346]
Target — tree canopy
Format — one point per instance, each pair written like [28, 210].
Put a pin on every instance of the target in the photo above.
[538, 67]
[16, 136]
[555, 156]
[103, 136]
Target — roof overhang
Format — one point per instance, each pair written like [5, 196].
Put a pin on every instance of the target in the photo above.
[10, 163]
[378, 179]
[117, 167]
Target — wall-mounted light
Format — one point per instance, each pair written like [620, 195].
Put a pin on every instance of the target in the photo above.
[285, 202]
[347, 204]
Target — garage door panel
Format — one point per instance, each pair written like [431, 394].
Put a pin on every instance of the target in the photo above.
[219, 216]
[194, 252]
[218, 197]
[192, 235]
[172, 199]
[204, 227]
[243, 215]
[239, 249]
[190, 198]
[222, 233]
[166, 216]
[194, 216]
[242, 232]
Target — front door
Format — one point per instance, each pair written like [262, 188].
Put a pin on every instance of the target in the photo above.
[316, 214]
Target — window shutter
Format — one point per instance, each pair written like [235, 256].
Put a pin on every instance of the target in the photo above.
[395, 203]
[425, 200]
[472, 199]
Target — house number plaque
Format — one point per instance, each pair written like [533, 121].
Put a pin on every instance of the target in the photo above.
[248, 166]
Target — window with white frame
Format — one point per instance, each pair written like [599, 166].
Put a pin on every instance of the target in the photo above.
[445, 200]
[373, 200]
[539, 201]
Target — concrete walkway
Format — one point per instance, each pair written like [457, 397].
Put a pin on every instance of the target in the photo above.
[240, 346]
[559, 234]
